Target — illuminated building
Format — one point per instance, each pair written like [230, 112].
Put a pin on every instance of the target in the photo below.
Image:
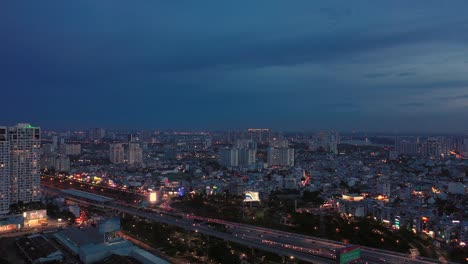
[4, 171]
[116, 153]
[19, 165]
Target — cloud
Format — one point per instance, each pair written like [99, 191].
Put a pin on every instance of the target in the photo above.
[412, 104]
[404, 74]
[324, 62]
[376, 75]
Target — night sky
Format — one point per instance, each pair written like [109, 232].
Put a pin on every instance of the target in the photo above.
[394, 66]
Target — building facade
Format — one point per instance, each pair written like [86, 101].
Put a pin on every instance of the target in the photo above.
[116, 153]
[135, 153]
[19, 165]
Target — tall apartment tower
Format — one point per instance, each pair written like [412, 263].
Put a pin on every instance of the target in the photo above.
[229, 157]
[4, 171]
[135, 153]
[280, 156]
[116, 153]
[19, 165]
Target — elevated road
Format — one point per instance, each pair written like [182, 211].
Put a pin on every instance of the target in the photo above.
[306, 248]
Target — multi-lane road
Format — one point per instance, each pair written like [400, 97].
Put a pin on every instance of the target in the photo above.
[307, 248]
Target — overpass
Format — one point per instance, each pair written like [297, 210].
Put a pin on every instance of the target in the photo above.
[306, 248]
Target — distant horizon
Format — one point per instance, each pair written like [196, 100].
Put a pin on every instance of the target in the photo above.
[398, 66]
[312, 131]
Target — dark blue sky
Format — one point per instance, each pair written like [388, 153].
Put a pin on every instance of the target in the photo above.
[393, 66]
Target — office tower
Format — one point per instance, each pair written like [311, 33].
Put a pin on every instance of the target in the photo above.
[116, 153]
[229, 157]
[260, 135]
[19, 165]
[280, 156]
[135, 153]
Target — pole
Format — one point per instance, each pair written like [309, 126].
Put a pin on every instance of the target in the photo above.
[243, 209]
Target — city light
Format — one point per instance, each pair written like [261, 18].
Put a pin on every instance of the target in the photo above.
[153, 197]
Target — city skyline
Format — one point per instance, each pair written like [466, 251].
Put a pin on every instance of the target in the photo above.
[397, 67]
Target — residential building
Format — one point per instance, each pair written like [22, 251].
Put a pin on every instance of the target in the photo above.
[19, 165]
[135, 153]
[280, 156]
[70, 149]
[116, 153]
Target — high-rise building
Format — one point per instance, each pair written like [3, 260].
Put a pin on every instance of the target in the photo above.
[246, 157]
[260, 135]
[19, 165]
[407, 146]
[243, 154]
[280, 156]
[326, 141]
[135, 153]
[70, 149]
[116, 153]
[279, 143]
[54, 142]
[62, 163]
[433, 148]
[247, 152]
[4, 171]
[229, 157]
[96, 133]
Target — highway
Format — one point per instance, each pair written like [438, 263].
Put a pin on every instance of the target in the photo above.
[307, 248]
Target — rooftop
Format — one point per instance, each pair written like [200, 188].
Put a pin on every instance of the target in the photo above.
[36, 247]
[117, 259]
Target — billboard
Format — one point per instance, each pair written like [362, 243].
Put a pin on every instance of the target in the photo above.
[35, 218]
[348, 255]
[36, 214]
[109, 225]
[251, 197]
[8, 228]
[152, 197]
